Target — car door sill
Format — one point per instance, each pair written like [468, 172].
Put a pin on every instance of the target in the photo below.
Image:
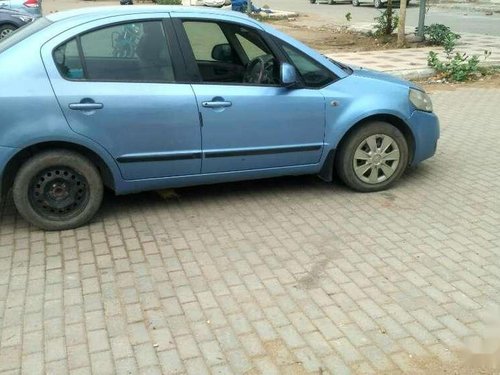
[133, 186]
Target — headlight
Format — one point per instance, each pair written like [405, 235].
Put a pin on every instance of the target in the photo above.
[23, 18]
[420, 100]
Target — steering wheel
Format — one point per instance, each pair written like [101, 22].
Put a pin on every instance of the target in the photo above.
[255, 70]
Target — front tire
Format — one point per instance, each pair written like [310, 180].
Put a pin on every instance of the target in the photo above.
[373, 157]
[58, 190]
[355, 3]
[377, 4]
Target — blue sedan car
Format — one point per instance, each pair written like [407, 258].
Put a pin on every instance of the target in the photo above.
[144, 98]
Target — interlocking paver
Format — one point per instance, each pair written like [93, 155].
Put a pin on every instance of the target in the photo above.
[289, 275]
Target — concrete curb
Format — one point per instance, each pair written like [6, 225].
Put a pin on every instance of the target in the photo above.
[419, 73]
[277, 14]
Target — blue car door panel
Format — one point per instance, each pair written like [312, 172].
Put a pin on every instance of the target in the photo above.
[116, 86]
[249, 120]
[255, 127]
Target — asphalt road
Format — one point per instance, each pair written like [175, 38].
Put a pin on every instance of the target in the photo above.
[458, 20]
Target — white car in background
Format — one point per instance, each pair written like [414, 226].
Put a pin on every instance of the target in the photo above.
[213, 3]
[33, 7]
[376, 3]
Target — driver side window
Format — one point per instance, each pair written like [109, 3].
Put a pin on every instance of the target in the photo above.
[229, 53]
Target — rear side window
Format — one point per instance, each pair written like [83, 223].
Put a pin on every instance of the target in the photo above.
[132, 52]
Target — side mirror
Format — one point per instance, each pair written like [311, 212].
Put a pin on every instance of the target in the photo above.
[288, 75]
[222, 53]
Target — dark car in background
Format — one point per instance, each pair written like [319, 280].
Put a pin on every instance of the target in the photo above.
[33, 7]
[11, 20]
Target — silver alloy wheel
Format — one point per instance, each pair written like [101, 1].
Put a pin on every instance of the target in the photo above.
[376, 159]
[5, 32]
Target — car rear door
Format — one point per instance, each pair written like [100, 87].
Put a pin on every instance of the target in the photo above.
[115, 80]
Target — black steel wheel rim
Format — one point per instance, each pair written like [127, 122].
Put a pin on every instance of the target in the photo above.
[59, 193]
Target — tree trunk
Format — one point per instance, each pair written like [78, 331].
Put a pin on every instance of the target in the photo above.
[388, 27]
[401, 25]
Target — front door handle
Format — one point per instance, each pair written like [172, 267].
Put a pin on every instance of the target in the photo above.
[216, 104]
[86, 104]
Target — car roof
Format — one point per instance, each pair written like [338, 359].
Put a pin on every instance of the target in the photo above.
[107, 11]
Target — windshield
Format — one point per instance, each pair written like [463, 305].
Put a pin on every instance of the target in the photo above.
[344, 67]
[23, 33]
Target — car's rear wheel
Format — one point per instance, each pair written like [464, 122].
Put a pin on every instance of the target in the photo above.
[355, 3]
[58, 190]
[331, 2]
[5, 30]
[373, 157]
[377, 4]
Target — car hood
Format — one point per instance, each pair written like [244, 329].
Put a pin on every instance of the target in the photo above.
[380, 76]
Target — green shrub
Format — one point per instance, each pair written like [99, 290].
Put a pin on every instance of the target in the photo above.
[456, 67]
[440, 35]
[382, 26]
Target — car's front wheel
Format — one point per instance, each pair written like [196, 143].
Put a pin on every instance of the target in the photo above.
[58, 190]
[355, 3]
[373, 157]
[377, 4]
[5, 30]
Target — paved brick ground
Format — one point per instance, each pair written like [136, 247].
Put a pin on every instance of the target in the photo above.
[287, 276]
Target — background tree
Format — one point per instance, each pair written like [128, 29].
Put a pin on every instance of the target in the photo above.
[388, 30]
[401, 24]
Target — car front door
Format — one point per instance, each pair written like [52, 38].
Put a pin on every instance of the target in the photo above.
[250, 121]
[116, 84]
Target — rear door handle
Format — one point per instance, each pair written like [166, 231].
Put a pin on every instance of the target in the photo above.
[86, 106]
[217, 104]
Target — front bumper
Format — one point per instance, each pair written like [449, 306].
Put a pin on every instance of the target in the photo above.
[425, 127]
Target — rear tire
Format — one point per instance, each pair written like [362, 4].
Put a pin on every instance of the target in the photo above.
[373, 157]
[355, 3]
[377, 4]
[58, 190]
